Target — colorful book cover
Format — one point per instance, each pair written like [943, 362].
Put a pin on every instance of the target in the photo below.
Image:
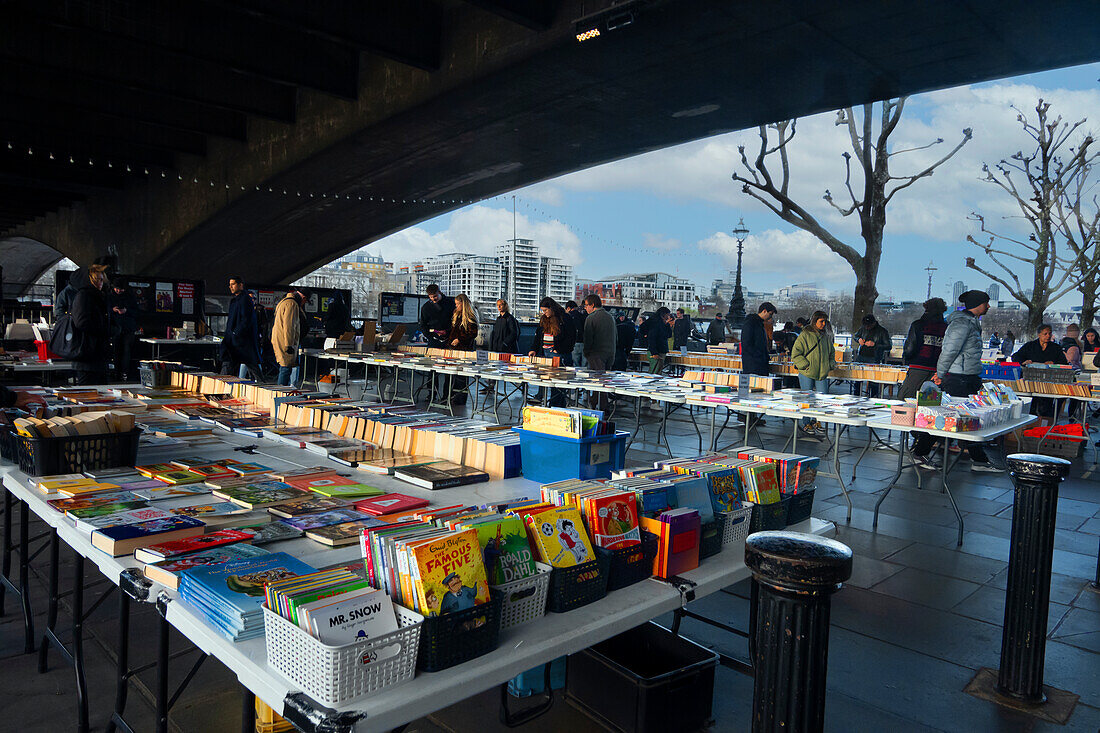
[449, 573]
[307, 522]
[85, 502]
[101, 510]
[311, 472]
[125, 516]
[166, 572]
[151, 469]
[214, 509]
[560, 537]
[247, 469]
[614, 520]
[255, 496]
[767, 484]
[167, 550]
[236, 589]
[321, 482]
[389, 504]
[165, 491]
[505, 551]
[725, 489]
[267, 532]
[345, 533]
[349, 491]
[307, 506]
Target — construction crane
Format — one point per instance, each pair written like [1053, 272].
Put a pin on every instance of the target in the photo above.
[930, 269]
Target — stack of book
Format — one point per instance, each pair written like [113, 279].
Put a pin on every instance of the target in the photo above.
[336, 606]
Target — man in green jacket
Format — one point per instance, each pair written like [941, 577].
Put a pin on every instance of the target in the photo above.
[814, 357]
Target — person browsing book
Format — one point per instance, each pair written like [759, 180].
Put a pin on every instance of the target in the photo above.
[505, 335]
[578, 315]
[285, 336]
[814, 357]
[681, 329]
[754, 340]
[598, 342]
[554, 337]
[1090, 344]
[1042, 350]
[435, 316]
[922, 347]
[716, 331]
[625, 334]
[462, 336]
[240, 347]
[92, 326]
[656, 331]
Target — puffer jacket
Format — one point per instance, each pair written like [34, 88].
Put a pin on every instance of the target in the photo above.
[813, 354]
[961, 352]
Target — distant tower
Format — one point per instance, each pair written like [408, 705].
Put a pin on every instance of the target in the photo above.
[930, 269]
[959, 289]
[994, 292]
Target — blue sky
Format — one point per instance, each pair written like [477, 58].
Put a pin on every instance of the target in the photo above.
[672, 210]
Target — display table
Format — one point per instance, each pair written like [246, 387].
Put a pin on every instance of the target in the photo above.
[158, 343]
[974, 436]
[521, 648]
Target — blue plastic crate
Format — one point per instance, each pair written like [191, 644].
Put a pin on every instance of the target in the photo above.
[548, 458]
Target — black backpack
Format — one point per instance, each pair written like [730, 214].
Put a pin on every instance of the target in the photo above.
[67, 341]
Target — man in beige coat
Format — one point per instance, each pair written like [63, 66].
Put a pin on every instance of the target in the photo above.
[285, 333]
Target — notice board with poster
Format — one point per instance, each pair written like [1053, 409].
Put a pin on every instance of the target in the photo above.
[400, 308]
[162, 302]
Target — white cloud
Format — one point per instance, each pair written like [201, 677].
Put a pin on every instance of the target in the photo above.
[660, 242]
[479, 229]
[798, 255]
[935, 207]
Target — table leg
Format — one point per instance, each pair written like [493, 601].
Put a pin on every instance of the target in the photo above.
[248, 710]
[662, 429]
[863, 452]
[162, 675]
[24, 579]
[122, 678]
[836, 467]
[713, 418]
[894, 480]
[947, 489]
[51, 606]
[637, 421]
[5, 556]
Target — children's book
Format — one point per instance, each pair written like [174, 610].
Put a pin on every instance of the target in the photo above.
[614, 520]
[124, 539]
[345, 533]
[307, 522]
[307, 506]
[261, 495]
[85, 502]
[390, 504]
[166, 572]
[505, 551]
[169, 550]
[560, 537]
[267, 532]
[210, 510]
[448, 573]
[179, 476]
[165, 491]
[348, 491]
[356, 615]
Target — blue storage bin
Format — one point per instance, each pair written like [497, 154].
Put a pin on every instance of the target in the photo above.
[548, 458]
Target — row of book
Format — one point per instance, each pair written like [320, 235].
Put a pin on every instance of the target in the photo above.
[566, 422]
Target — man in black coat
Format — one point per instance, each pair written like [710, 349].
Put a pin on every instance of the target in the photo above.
[435, 317]
[577, 317]
[716, 332]
[681, 329]
[240, 350]
[754, 340]
[92, 327]
[504, 338]
[625, 334]
[338, 317]
[123, 314]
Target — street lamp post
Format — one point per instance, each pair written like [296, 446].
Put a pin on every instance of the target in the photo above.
[737, 302]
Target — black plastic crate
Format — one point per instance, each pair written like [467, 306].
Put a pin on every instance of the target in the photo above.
[628, 565]
[8, 444]
[458, 637]
[769, 516]
[76, 453]
[577, 586]
[800, 506]
[646, 680]
[710, 538]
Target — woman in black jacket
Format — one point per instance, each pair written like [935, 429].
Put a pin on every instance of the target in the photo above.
[505, 336]
[656, 331]
[554, 336]
[92, 326]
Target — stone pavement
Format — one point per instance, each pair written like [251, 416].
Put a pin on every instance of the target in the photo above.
[910, 630]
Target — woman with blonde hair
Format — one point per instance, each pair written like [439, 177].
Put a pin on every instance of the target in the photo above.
[462, 336]
[91, 325]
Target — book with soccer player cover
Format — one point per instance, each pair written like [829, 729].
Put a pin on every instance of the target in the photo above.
[179, 548]
[309, 505]
[559, 537]
[266, 532]
[505, 551]
[389, 504]
[345, 533]
[166, 572]
[440, 475]
[307, 522]
[261, 495]
[613, 519]
[125, 538]
[448, 573]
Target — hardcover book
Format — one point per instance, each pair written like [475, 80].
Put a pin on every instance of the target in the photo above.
[178, 548]
[448, 573]
[560, 537]
[345, 533]
[166, 572]
[310, 505]
[267, 532]
[258, 496]
[440, 475]
[307, 522]
[124, 539]
[348, 491]
[389, 504]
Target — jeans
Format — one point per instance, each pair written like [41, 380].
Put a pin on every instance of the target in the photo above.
[578, 355]
[817, 385]
[288, 376]
[597, 363]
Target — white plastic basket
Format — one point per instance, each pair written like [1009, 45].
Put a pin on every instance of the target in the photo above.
[523, 600]
[333, 675]
[735, 524]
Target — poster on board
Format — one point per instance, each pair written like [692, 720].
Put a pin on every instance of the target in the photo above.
[186, 294]
[166, 302]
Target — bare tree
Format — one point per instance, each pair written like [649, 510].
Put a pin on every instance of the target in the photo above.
[1048, 178]
[872, 155]
[1079, 221]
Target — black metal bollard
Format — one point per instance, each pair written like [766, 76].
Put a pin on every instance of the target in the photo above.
[794, 576]
[1031, 552]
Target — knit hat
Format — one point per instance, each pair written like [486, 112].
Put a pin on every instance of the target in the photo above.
[973, 298]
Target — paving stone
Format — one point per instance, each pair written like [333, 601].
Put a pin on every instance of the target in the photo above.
[926, 588]
[1081, 628]
[953, 563]
[1063, 588]
[867, 571]
[870, 544]
[988, 604]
